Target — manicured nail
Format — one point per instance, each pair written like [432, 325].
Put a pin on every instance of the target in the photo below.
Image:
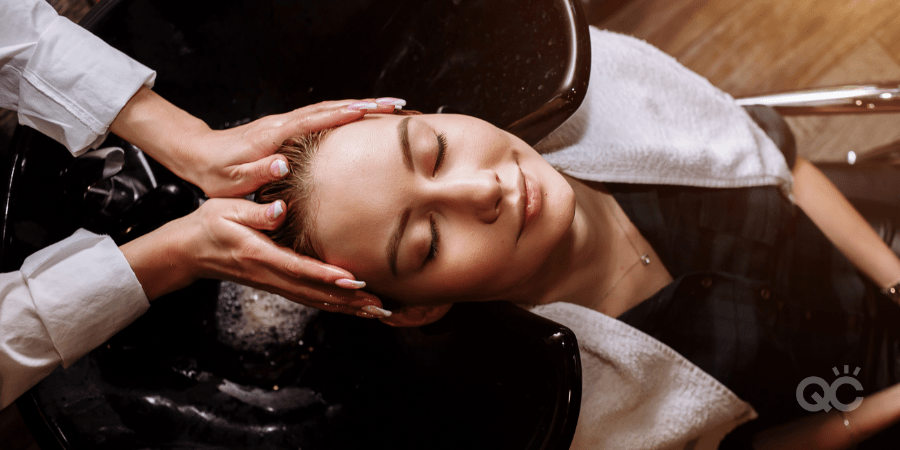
[354, 302]
[350, 284]
[275, 210]
[376, 311]
[356, 106]
[365, 315]
[397, 103]
[279, 168]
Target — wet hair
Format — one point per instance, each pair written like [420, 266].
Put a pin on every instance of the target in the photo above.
[297, 191]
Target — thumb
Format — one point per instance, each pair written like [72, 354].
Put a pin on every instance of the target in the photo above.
[260, 217]
[250, 176]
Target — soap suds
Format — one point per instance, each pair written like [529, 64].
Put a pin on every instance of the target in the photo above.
[250, 319]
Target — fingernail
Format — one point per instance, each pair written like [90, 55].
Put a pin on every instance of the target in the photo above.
[275, 210]
[365, 315]
[398, 103]
[374, 310]
[347, 283]
[279, 168]
[356, 106]
[359, 303]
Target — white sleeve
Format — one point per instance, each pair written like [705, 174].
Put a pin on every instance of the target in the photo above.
[63, 81]
[66, 300]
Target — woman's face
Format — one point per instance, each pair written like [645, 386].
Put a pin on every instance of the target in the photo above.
[436, 208]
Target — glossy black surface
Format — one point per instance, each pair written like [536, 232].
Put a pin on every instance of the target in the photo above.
[488, 376]
[229, 61]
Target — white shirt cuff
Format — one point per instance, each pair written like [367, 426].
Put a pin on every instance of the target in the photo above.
[84, 292]
[74, 85]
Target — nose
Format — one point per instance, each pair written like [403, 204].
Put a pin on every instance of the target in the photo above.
[479, 193]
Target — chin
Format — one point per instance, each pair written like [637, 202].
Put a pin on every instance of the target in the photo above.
[560, 197]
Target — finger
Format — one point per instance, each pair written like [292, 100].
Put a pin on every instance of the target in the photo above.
[298, 287]
[323, 296]
[285, 262]
[331, 114]
[381, 109]
[250, 176]
[303, 122]
[383, 104]
[397, 103]
[254, 215]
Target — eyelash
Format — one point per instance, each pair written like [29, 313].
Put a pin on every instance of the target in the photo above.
[442, 149]
[435, 239]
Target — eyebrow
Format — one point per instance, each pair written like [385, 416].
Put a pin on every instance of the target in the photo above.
[403, 135]
[393, 246]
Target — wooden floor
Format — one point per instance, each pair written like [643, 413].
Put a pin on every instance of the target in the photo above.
[759, 46]
[744, 47]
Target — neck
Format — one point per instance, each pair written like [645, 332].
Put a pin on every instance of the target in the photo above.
[587, 261]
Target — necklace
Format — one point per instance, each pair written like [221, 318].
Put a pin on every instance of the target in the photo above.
[643, 258]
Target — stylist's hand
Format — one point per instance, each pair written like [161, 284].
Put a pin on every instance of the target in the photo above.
[220, 240]
[232, 162]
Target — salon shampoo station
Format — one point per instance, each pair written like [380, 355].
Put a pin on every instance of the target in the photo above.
[194, 372]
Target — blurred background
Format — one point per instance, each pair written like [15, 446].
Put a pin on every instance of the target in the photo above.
[744, 47]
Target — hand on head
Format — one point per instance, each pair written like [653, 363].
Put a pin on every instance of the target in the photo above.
[232, 162]
[237, 161]
[222, 239]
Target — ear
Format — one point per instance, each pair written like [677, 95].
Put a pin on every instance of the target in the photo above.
[416, 316]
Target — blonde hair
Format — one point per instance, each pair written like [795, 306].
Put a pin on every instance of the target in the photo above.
[296, 190]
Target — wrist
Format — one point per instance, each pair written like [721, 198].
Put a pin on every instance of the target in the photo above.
[162, 130]
[159, 260]
[186, 161]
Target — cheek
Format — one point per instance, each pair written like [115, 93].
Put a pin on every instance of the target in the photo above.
[477, 268]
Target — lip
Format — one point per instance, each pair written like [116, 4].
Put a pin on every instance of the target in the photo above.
[531, 199]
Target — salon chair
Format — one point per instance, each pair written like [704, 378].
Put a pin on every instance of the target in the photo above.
[870, 180]
[485, 376]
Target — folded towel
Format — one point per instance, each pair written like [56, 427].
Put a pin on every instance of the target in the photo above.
[638, 393]
[648, 119]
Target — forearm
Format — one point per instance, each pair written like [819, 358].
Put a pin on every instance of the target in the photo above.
[826, 431]
[157, 262]
[843, 225]
[160, 129]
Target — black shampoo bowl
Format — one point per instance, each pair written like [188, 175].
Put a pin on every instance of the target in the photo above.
[487, 376]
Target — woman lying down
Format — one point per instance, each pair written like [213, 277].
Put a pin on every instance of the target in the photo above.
[754, 290]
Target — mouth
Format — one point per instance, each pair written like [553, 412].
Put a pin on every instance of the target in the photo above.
[530, 201]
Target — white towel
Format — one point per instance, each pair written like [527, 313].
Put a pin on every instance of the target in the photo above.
[648, 119]
[639, 394]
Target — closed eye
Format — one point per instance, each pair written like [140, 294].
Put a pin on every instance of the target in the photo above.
[435, 240]
[442, 150]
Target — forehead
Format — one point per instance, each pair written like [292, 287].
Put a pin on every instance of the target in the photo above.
[359, 175]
